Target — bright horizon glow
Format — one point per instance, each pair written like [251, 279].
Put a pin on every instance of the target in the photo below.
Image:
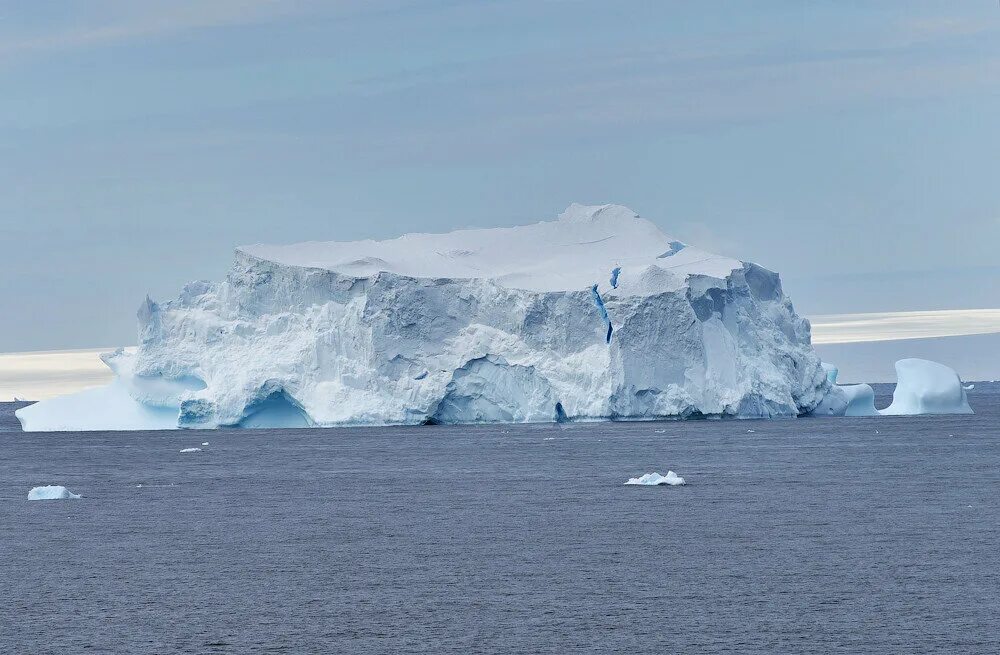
[896, 326]
[45, 374]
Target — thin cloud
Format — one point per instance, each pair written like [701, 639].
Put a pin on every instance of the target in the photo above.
[120, 23]
[892, 326]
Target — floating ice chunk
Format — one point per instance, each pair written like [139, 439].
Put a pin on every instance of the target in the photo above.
[860, 400]
[926, 387]
[52, 492]
[102, 408]
[204, 443]
[848, 400]
[190, 450]
[969, 387]
[845, 399]
[655, 479]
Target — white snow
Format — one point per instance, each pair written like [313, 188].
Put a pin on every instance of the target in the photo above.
[51, 492]
[926, 387]
[190, 450]
[576, 251]
[654, 479]
[598, 314]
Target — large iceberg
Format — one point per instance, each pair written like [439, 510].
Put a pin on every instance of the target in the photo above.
[596, 315]
[925, 387]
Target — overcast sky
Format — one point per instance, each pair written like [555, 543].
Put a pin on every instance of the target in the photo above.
[851, 146]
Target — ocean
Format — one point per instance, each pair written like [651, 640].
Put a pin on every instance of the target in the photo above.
[867, 535]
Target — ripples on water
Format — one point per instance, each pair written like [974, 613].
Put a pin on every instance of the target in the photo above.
[809, 536]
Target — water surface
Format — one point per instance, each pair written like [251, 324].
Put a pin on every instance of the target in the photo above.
[798, 536]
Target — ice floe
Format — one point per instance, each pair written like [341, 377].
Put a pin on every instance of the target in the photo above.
[52, 492]
[655, 479]
[926, 387]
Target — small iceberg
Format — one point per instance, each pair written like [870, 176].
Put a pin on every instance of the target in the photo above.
[926, 387]
[204, 443]
[190, 450]
[52, 492]
[655, 479]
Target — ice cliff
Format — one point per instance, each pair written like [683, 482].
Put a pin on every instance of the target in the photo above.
[596, 315]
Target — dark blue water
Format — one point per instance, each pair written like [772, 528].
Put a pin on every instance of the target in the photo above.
[803, 536]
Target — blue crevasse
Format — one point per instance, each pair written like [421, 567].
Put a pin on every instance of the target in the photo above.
[599, 302]
[615, 272]
[675, 247]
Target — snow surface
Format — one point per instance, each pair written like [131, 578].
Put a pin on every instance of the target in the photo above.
[595, 315]
[926, 387]
[654, 479]
[52, 492]
[583, 247]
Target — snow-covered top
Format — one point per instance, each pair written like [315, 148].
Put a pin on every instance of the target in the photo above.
[580, 249]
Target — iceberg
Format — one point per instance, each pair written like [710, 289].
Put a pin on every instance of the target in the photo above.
[595, 315]
[845, 399]
[52, 492]
[926, 387]
[655, 479]
[189, 450]
[110, 407]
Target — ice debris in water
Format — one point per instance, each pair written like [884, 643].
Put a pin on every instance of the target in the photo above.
[204, 443]
[654, 479]
[52, 492]
[190, 450]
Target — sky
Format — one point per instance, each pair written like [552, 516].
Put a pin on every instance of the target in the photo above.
[851, 146]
